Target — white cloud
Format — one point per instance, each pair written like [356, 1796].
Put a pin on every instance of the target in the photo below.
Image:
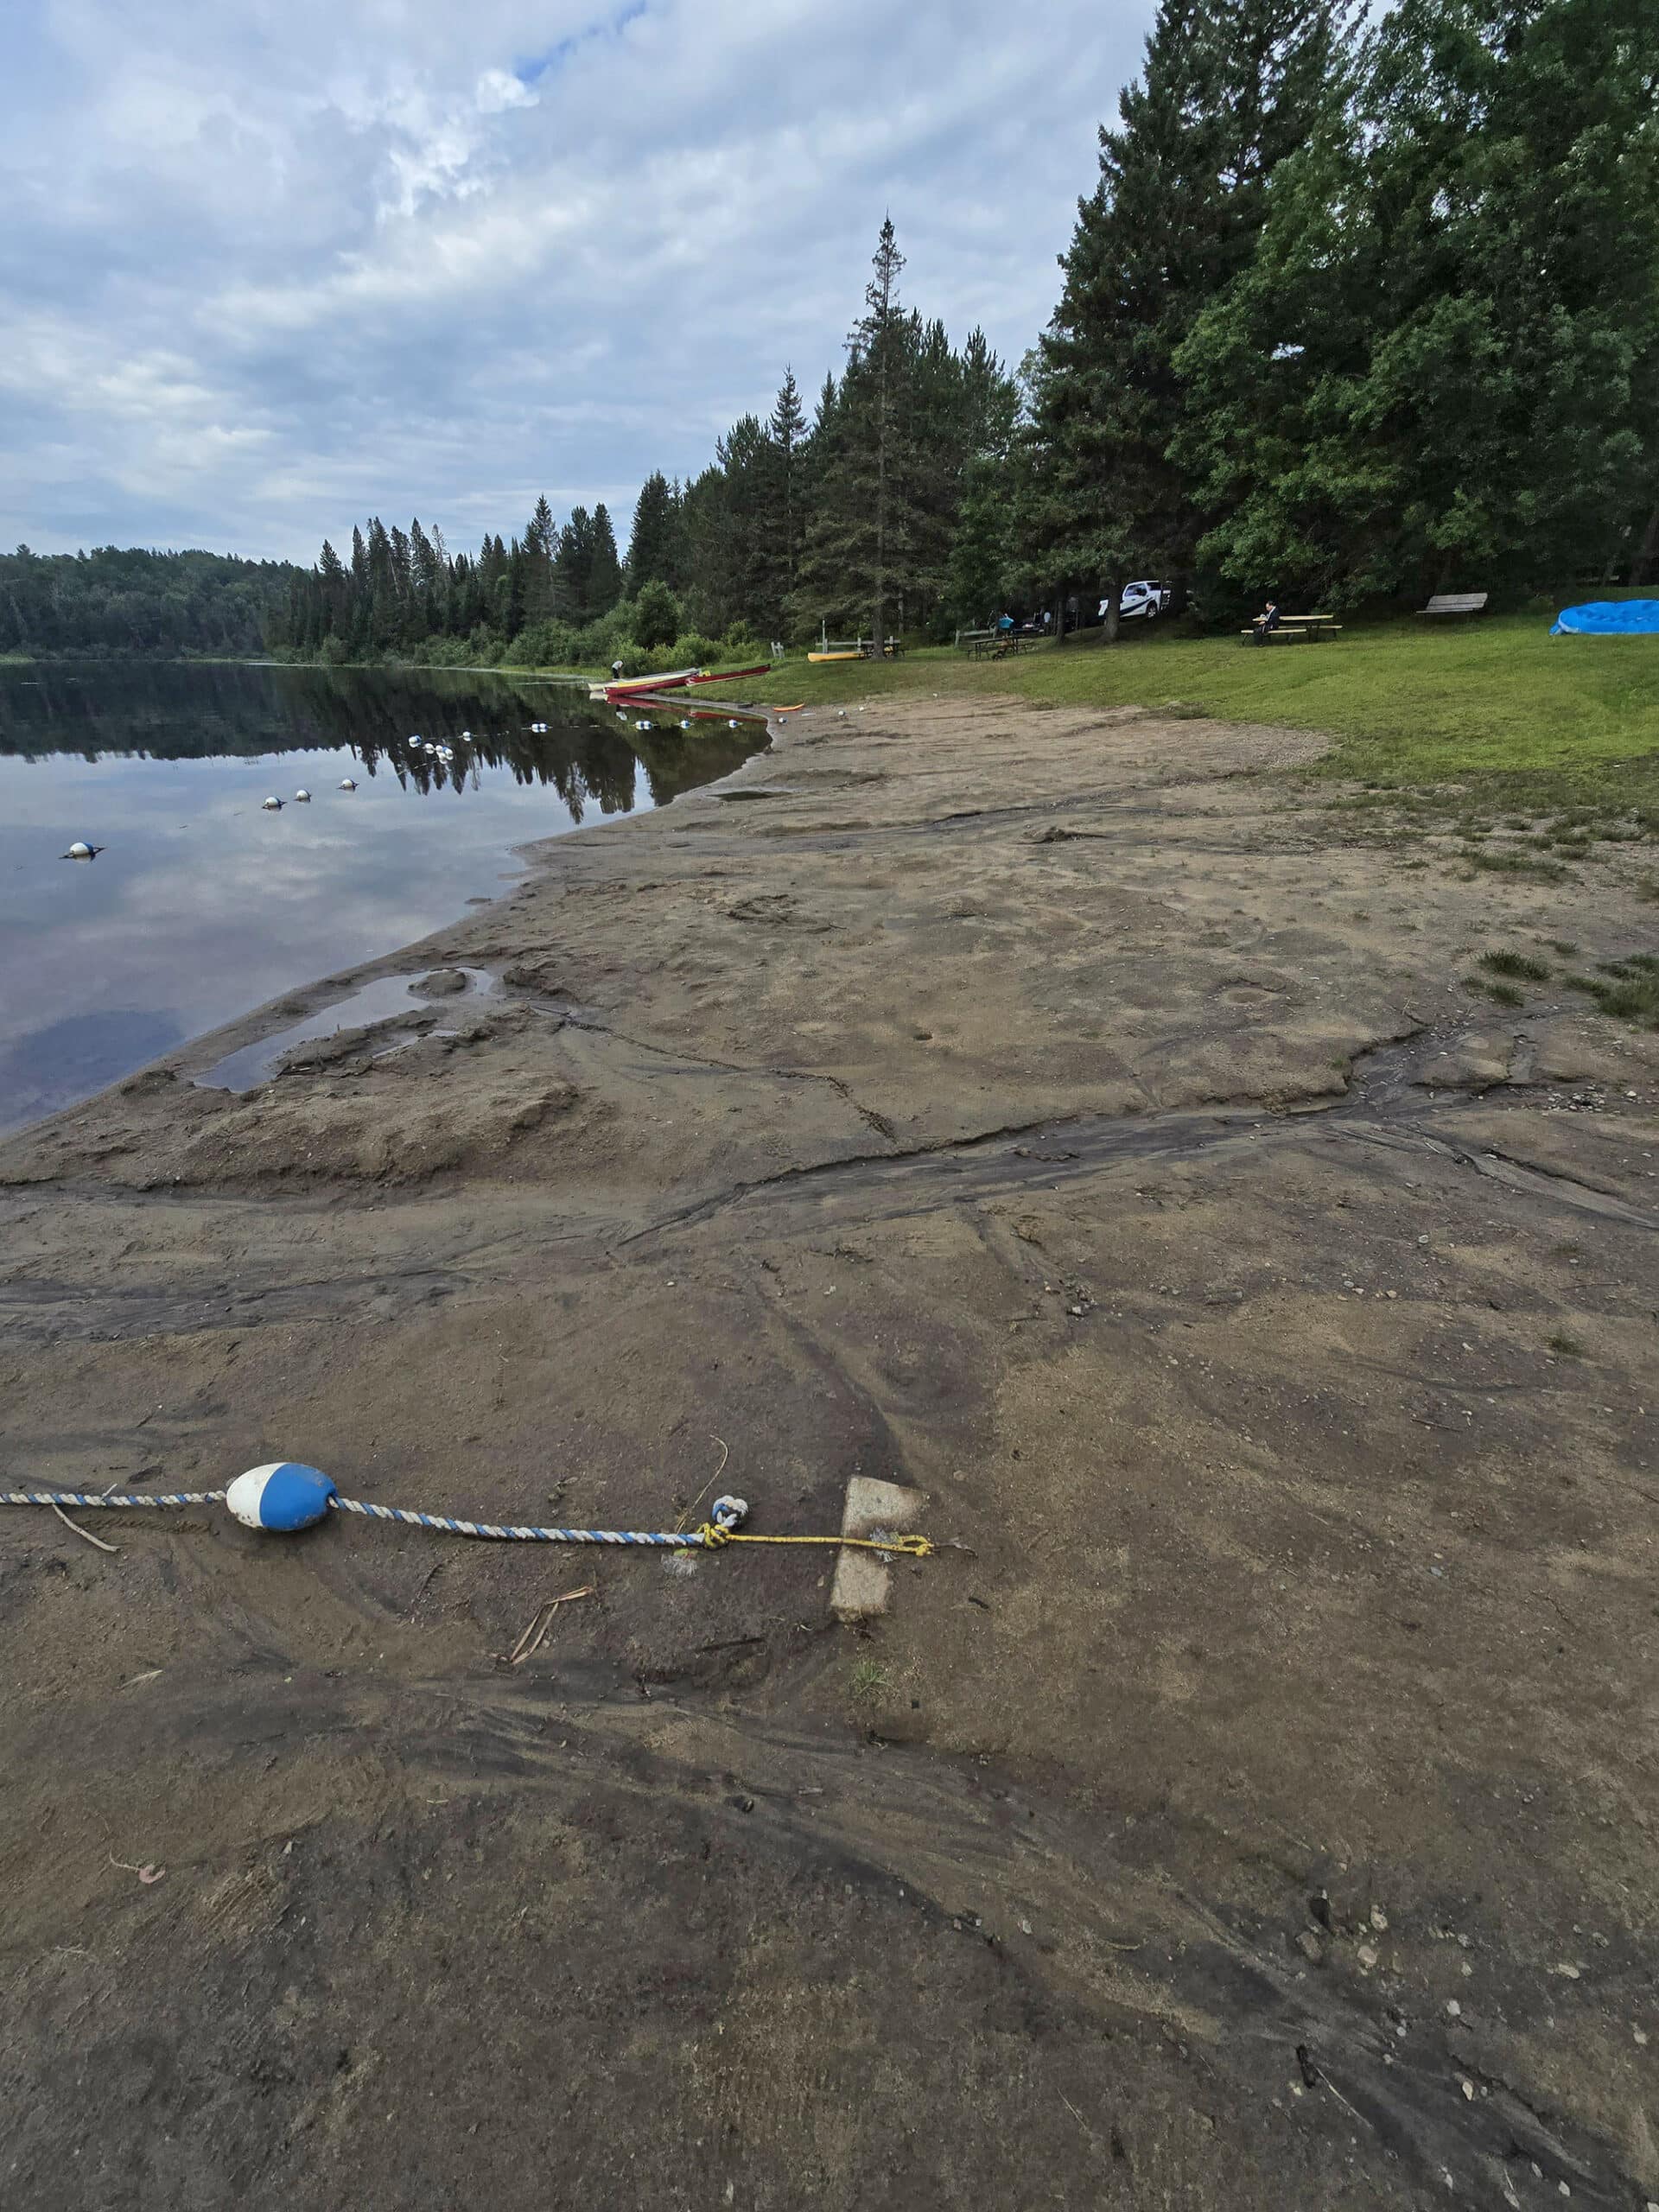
[265, 268]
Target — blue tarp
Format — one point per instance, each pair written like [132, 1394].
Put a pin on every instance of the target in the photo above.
[1610, 618]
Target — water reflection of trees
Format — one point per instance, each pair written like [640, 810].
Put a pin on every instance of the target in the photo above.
[201, 711]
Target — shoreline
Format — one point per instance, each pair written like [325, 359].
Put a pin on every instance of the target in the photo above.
[312, 992]
[1058, 1113]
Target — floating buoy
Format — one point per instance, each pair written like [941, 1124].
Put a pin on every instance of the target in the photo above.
[346, 785]
[466, 732]
[286, 1495]
[82, 851]
[303, 797]
[685, 721]
[733, 723]
[271, 806]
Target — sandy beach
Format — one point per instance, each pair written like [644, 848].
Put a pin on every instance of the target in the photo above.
[1079, 1118]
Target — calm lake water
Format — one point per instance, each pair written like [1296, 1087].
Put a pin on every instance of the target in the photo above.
[201, 905]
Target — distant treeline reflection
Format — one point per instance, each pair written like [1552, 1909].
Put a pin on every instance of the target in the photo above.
[201, 712]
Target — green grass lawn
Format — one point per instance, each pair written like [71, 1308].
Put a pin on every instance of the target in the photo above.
[1410, 703]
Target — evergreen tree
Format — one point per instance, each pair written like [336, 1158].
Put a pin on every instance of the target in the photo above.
[787, 430]
[573, 569]
[1230, 88]
[383, 613]
[335, 587]
[857, 539]
[357, 643]
[540, 543]
[1443, 366]
[655, 551]
[426, 580]
[604, 568]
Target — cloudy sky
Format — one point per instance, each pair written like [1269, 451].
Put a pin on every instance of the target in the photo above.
[268, 265]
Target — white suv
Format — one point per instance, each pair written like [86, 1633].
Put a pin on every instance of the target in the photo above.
[1144, 599]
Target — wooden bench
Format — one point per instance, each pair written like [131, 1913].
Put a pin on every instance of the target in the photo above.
[1456, 602]
[1310, 627]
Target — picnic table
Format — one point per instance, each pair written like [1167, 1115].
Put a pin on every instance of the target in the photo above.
[864, 648]
[1312, 627]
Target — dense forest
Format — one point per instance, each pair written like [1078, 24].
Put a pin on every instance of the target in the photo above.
[1356, 310]
[159, 605]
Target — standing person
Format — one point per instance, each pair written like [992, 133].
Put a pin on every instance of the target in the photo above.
[1005, 622]
[616, 671]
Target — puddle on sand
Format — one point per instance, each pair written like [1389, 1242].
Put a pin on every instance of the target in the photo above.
[382, 1000]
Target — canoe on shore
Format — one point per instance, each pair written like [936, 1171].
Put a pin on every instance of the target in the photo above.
[682, 679]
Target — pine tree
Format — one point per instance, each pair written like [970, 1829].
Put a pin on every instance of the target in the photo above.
[655, 549]
[384, 613]
[1442, 366]
[361, 595]
[573, 569]
[857, 540]
[540, 543]
[787, 430]
[335, 587]
[1230, 88]
[604, 568]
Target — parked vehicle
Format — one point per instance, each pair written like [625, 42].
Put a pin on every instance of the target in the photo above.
[1148, 600]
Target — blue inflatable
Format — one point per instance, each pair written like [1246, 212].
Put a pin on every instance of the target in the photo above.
[1609, 617]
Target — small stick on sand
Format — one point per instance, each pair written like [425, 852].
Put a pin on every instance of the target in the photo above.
[536, 1635]
[725, 1454]
[85, 1534]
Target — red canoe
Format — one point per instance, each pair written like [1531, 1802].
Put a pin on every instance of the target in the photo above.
[632, 686]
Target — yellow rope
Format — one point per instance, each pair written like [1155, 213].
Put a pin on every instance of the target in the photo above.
[713, 1535]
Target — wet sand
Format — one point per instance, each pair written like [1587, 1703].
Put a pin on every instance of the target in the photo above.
[1070, 1116]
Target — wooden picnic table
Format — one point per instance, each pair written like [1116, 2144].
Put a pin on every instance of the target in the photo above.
[1312, 627]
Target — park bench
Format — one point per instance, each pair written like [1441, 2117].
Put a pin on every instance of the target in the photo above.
[1456, 602]
[1312, 627]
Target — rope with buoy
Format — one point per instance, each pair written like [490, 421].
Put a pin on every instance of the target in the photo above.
[287, 1496]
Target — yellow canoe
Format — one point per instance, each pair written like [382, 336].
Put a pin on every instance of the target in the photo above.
[835, 655]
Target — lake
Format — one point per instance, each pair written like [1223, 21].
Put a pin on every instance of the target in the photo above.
[200, 905]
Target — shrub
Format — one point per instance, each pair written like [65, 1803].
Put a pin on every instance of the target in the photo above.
[656, 617]
[544, 644]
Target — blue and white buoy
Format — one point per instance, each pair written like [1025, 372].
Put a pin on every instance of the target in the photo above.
[346, 785]
[303, 796]
[284, 1496]
[271, 806]
[80, 850]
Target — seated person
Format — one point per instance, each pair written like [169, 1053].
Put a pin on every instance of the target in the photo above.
[1267, 619]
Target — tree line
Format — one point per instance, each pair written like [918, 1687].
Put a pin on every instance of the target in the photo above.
[1355, 310]
[162, 606]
